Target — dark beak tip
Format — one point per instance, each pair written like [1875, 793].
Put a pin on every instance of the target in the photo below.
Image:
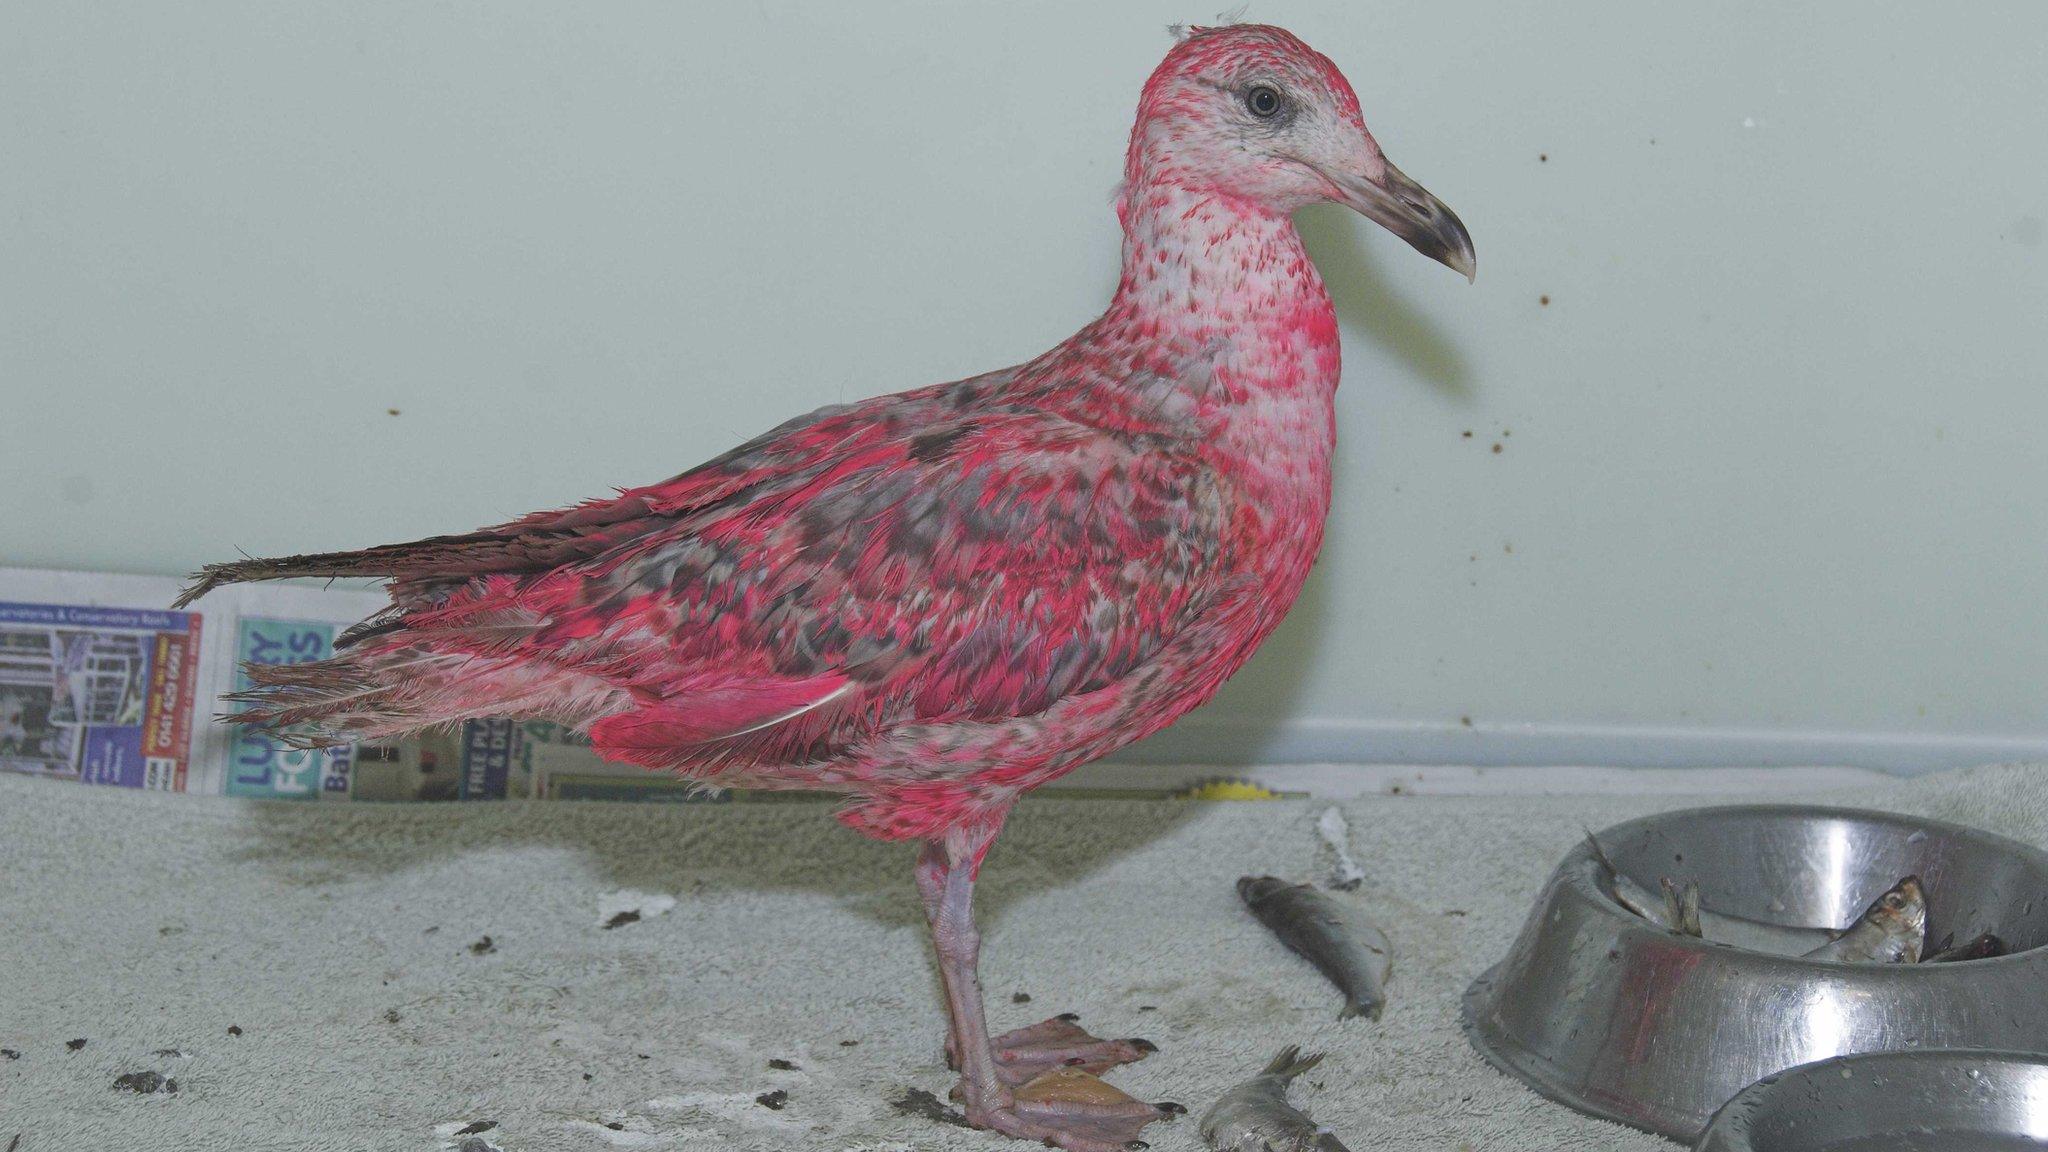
[1458, 253]
[1455, 253]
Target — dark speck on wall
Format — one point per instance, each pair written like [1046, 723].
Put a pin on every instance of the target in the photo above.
[773, 1101]
[75, 1045]
[781, 1065]
[1543, 157]
[483, 946]
[1021, 998]
[234, 1029]
[1465, 720]
[1544, 300]
[1496, 448]
[391, 411]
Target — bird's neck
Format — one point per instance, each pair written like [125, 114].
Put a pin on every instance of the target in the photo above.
[1220, 296]
[1201, 265]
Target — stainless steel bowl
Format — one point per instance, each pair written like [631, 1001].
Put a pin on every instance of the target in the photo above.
[1950, 1101]
[1603, 1011]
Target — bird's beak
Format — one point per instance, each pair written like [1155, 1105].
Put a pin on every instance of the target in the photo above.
[1406, 209]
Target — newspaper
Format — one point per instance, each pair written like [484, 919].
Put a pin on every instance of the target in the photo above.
[102, 695]
[101, 683]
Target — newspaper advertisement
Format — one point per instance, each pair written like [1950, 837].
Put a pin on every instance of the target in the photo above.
[100, 695]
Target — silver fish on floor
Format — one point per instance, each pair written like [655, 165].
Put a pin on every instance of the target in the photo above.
[1891, 931]
[1331, 934]
[1256, 1117]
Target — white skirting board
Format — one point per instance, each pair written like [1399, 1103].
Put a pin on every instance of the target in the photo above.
[1348, 781]
[1228, 740]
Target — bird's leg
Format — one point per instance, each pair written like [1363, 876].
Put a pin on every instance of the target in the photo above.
[1059, 1102]
[1022, 1054]
[931, 884]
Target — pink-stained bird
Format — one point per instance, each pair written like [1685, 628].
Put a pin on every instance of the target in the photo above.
[935, 601]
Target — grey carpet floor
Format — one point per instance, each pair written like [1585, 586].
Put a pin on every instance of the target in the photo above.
[321, 975]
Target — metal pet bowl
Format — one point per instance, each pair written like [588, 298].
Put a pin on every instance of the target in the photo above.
[1954, 1101]
[1601, 1010]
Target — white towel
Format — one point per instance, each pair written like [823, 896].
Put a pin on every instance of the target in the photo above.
[345, 943]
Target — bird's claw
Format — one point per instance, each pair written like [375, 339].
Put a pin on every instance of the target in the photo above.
[1027, 1053]
[1070, 1109]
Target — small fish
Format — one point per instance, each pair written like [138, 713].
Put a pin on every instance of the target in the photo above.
[1755, 935]
[1331, 933]
[1984, 947]
[1256, 1117]
[1628, 893]
[1891, 931]
[1682, 908]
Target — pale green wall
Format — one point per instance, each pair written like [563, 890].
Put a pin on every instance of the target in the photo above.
[1776, 472]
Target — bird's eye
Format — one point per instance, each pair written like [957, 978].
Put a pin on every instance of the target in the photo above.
[1263, 101]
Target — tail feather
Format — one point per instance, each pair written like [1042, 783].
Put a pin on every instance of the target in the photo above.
[451, 557]
[332, 701]
[429, 659]
[536, 543]
[373, 693]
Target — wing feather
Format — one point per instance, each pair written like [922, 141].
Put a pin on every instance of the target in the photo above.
[1031, 559]
[928, 557]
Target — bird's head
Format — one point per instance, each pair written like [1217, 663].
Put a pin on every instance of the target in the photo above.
[1249, 112]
